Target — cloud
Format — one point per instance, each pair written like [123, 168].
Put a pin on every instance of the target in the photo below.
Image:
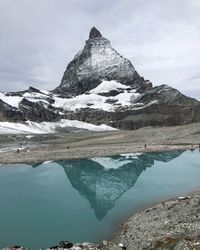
[39, 38]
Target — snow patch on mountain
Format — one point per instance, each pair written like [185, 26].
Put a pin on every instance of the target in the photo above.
[36, 97]
[95, 101]
[110, 163]
[107, 86]
[131, 155]
[11, 100]
[83, 101]
[48, 127]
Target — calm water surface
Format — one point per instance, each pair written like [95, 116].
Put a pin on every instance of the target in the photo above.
[85, 200]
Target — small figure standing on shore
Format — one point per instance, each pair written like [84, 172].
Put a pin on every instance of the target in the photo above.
[18, 151]
[145, 146]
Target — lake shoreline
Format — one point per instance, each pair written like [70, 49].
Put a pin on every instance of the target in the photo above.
[168, 228]
[26, 155]
[86, 144]
[173, 223]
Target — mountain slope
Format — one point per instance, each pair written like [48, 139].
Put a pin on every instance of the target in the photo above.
[100, 86]
[98, 61]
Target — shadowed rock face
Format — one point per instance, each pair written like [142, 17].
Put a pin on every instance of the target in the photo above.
[10, 113]
[94, 33]
[103, 186]
[98, 61]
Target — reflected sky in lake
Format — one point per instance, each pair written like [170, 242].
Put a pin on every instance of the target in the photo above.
[85, 200]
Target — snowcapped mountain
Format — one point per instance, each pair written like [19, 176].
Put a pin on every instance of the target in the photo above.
[99, 86]
[97, 62]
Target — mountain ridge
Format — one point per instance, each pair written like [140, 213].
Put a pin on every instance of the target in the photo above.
[100, 86]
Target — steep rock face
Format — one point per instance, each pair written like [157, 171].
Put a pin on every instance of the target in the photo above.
[39, 111]
[9, 113]
[98, 61]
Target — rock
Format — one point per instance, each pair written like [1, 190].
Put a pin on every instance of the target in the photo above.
[54, 247]
[96, 62]
[39, 111]
[65, 244]
[149, 230]
[10, 113]
[94, 33]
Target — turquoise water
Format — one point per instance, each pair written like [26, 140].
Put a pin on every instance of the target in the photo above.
[85, 200]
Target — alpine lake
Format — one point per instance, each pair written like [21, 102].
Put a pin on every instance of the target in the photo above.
[87, 199]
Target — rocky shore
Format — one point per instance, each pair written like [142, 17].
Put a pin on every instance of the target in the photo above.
[173, 224]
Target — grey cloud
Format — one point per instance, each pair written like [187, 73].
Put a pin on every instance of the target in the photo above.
[39, 38]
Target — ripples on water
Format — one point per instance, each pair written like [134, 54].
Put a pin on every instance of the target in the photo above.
[85, 200]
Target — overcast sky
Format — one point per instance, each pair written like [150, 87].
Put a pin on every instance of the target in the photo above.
[38, 38]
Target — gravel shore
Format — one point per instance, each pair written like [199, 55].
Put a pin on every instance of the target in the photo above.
[173, 224]
[85, 144]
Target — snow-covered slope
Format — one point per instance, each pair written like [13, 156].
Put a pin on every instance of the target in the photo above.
[95, 100]
[48, 127]
[124, 96]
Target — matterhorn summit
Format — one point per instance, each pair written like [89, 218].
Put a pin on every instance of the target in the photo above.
[96, 62]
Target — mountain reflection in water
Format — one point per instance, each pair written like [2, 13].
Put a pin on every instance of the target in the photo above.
[102, 181]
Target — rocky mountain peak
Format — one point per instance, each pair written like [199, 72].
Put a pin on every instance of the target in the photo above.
[94, 33]
[97, 62]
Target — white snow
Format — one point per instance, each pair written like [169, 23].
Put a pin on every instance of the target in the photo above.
[46, 92]
[107, 86]
[95, 101]
[11, 100]
[131, 155]
[48, 127]
[83, 101]
[92, 100]
[35, 97]
[110, 163]
[46, 162]
[29, 136]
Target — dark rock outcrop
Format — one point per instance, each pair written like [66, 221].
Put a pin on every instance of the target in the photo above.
[39, 111]
[10, 113]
